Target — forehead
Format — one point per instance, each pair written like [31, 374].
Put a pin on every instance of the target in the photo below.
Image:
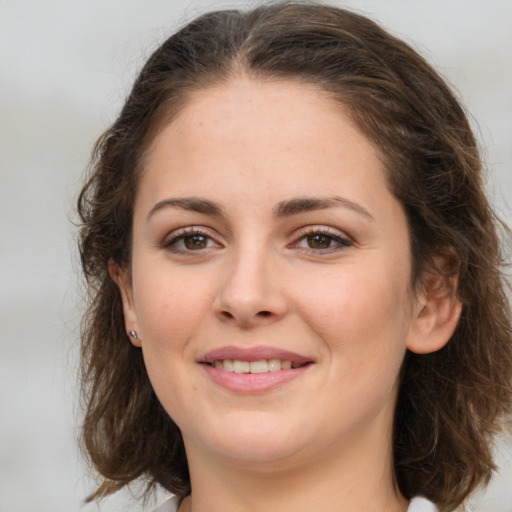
[253, 124]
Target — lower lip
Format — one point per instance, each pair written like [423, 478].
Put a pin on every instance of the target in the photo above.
[252, 382]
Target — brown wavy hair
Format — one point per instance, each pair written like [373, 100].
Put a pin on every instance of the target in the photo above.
[451, 403]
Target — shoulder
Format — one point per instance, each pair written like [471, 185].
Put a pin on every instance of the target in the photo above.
[417, 505]
[170, 505]
[421, 504]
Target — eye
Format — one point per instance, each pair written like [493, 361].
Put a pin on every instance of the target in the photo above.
[189, 239]
[321, 240]
[195, 242]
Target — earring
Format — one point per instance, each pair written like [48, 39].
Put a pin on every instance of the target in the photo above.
[133, 334]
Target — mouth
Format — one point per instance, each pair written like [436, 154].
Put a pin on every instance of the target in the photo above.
[253, 369]
[260, 366]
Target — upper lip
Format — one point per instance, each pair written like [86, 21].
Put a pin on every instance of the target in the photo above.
[257, 353]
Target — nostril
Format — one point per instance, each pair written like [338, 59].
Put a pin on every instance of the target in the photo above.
[244, 318]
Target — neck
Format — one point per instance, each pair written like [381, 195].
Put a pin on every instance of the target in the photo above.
[347, 481]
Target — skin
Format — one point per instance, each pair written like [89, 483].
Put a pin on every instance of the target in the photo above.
[331, 283]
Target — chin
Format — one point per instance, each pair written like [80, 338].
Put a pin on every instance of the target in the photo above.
[257, 440]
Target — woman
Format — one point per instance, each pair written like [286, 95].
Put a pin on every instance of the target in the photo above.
[295, 275]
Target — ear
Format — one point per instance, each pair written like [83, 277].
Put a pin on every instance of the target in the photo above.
[438, 310]
[123, 280]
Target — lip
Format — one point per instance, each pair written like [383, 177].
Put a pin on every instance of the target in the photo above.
[253, 383]
[253, 354]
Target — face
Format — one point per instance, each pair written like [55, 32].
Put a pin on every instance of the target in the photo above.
[270, 281]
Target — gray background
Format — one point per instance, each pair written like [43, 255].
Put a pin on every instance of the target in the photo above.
[65, 67]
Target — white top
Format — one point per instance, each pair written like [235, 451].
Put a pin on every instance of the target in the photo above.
[421, 505]
[416, 505]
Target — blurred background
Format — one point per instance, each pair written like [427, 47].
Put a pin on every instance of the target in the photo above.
[65, 68]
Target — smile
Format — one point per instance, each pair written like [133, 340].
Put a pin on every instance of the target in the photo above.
[253, 370]
[261, 366]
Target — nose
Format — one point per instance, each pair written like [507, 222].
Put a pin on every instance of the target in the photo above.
[250, 293]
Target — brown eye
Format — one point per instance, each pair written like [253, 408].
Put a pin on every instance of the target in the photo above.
[195, 242]
[319, 241]
[190, 240]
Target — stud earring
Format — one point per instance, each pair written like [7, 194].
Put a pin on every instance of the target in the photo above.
[133, 334]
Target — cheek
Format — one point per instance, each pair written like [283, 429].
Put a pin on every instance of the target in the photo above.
[170, 306]
[360, 321]
[171, 309]
[362, 314]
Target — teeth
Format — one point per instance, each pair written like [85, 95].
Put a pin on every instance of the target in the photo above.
[258, 366]
[241, 366]
[274, 365]
[263, 366]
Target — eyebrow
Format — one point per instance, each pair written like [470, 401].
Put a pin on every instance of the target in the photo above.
[283, 209]
[193, 204]
[307, 204]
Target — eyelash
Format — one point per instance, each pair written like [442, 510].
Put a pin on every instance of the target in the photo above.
[181, 235]
[340, 242]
